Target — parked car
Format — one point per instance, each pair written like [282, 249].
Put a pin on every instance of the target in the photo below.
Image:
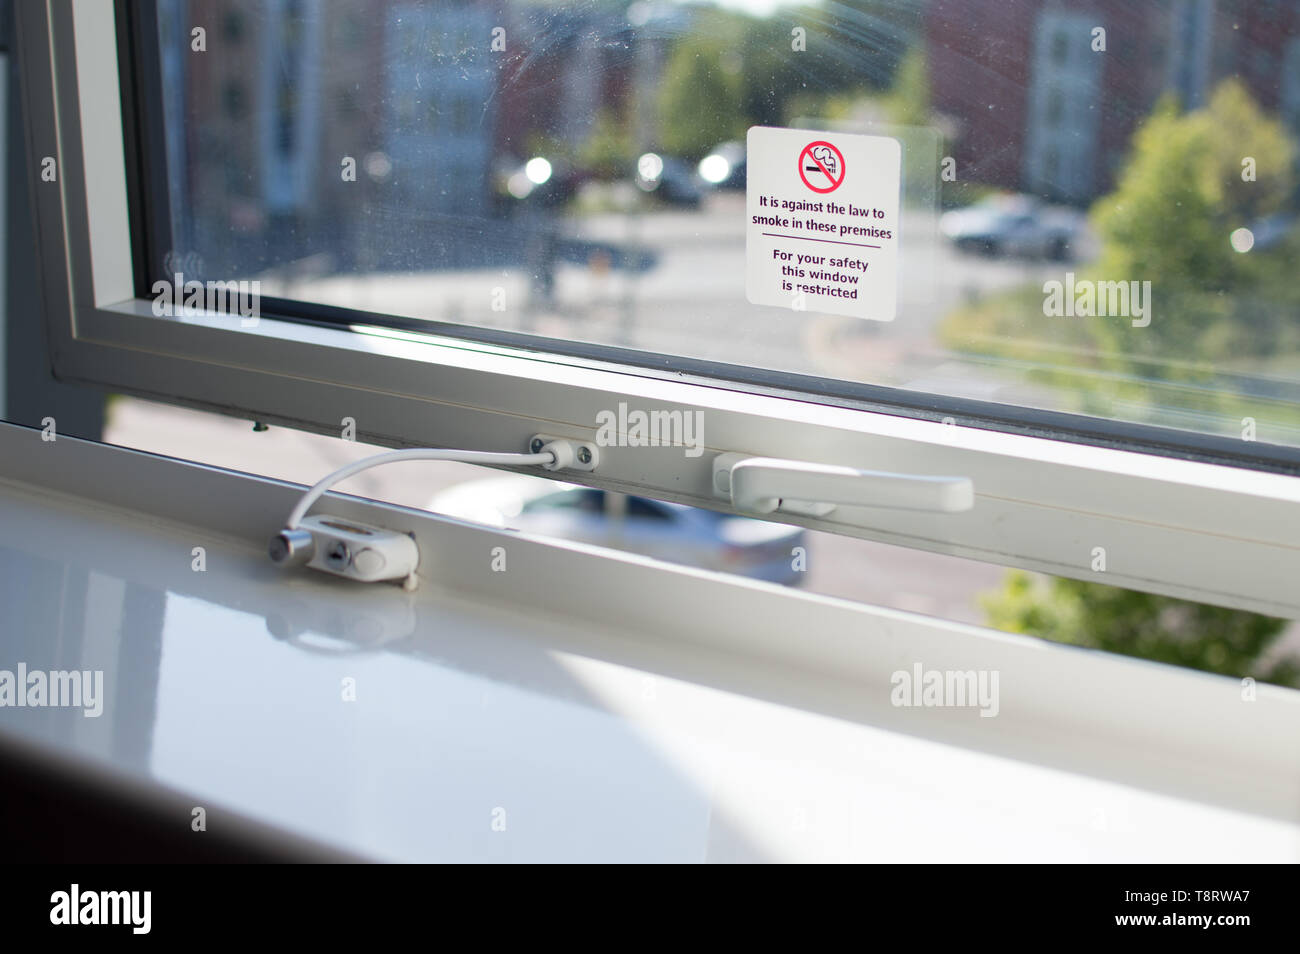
[669, 179]
[538, 182]
[667, 531]
[1015, 226]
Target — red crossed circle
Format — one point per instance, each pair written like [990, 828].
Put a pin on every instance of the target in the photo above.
[810, 163]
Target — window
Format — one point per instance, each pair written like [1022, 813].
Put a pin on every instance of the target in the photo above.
[1054, 107]
[1060, 47]
[500, 279]
[1289, 93]
[233, 98]
[233, 23]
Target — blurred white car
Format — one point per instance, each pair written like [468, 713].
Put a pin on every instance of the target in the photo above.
[654, 528]
[1015, 226]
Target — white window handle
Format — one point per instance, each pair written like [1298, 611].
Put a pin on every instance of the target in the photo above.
[768, 484]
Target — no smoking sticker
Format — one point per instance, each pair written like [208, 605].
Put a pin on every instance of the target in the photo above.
[822, 232]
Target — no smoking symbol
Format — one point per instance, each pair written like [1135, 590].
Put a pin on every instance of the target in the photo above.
[821, 166]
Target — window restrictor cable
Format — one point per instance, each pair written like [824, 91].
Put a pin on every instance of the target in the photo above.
[369, 554]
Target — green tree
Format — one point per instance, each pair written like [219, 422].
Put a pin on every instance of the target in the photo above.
[732, 71]
[908, 102]
[608, 149]
[1179, 199]
[1160, 628]
[1169, 220]
[700, 99]
[1184, 190]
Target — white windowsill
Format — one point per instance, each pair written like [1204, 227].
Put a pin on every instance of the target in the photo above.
[614, 708]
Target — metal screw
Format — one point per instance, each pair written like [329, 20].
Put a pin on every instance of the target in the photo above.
[536, 445]
[337, 555]
[584, 455]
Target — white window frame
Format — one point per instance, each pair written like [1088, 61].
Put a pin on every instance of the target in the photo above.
[1180, 527]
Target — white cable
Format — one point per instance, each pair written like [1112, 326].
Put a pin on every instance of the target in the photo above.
[417, 453]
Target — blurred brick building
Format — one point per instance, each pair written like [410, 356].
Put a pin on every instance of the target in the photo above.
[429, 100]
[1033, 106]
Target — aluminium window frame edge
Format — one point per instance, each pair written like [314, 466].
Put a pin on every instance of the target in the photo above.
[1183, 528]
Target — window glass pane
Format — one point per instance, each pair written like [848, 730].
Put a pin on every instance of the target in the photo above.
[1098, 206]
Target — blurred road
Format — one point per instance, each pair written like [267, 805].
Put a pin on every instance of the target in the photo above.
[691, 301]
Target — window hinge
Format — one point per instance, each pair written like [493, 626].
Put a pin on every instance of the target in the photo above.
[768, 485]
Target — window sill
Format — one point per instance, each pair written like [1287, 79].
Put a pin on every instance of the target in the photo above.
[598, 706]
